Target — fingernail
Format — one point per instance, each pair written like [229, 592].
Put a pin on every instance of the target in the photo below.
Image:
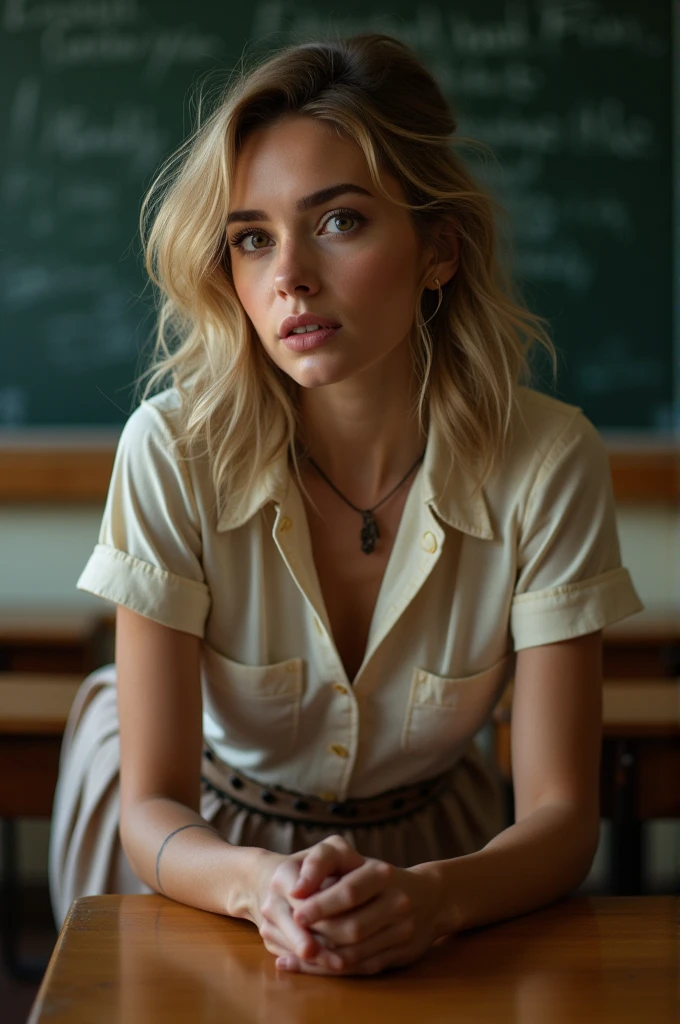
[284, 963]
[336, 961]
[302, 920]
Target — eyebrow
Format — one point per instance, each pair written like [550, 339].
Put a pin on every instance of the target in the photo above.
[324, 195]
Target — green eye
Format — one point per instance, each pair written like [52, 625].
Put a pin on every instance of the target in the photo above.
[342, 216]
[237, 242]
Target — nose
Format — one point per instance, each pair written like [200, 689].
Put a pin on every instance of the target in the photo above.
[295, 271]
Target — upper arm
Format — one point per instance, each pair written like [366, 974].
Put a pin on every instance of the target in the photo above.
[556, 731]
[159, 704]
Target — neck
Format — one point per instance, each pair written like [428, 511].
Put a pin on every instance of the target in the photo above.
[363, 434]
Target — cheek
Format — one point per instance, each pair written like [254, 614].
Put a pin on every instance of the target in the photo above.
[245, 286]
[381, 287]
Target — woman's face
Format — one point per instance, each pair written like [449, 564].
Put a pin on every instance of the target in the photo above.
[353, 258]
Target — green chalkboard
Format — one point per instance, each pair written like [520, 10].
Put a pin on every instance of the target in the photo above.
[574, 99]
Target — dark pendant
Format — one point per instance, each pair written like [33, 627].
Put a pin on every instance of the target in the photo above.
[369, 533]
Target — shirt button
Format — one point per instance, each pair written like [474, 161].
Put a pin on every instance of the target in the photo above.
[337, 748]
[429, 542]
[285, 524]
[329, 796]
[339, 688]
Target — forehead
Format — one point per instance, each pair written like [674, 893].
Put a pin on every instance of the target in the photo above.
[295, 157]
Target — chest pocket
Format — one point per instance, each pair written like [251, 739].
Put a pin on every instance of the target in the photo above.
[257, 707]
[444, 713]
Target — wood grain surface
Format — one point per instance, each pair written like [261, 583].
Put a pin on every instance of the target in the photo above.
[147, 960]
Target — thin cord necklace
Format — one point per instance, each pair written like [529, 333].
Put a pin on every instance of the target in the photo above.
[369, 531]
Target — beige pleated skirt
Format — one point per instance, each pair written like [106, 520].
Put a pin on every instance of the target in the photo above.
[86, 857]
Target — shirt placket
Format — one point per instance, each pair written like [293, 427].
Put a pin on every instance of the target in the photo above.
[419, 549]
[333, 770]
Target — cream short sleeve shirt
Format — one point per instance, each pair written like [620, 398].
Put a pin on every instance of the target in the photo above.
[531, 560]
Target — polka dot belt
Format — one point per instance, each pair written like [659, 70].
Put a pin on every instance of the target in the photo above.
[287, 805]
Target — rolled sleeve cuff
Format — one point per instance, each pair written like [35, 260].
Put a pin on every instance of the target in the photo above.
[574, 609]
[144, 588]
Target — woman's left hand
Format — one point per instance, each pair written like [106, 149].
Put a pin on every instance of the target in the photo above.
[374, 917]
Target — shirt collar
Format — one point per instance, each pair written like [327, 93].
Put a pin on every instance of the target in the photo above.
[449, 490]
[272, 485]
[444, 486]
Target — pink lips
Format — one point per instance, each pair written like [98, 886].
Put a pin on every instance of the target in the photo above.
[304, 320]
[310, 339]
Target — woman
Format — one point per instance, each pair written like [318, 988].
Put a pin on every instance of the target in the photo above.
[334, 537]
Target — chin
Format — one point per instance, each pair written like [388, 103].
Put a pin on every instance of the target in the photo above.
[320, 374]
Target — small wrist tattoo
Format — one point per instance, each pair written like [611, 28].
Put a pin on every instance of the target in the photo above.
[166, 841]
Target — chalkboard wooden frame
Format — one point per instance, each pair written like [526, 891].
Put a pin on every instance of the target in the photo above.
[647, 472]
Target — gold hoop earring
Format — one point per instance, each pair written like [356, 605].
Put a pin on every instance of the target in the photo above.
[439, 302]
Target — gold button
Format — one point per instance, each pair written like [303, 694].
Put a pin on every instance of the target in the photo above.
[339, 688]
[337, 748]
[429, 542]
[291, 667]
[285, 524]
[328, 795]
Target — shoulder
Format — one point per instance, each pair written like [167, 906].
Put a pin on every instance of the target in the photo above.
[150, 443]
[544, 428]
[157, 417]
[154, 431]
[547, 438]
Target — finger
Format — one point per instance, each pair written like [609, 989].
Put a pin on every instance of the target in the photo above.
[390, 958]
[283, 881]
[352, 890]
[359, 924]
[277, 920]
[329, 859]
[332, 856]
[394, 938]
[277, 943]
[332, 964]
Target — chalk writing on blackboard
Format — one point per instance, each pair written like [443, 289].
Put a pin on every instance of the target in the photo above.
[573, 99]
[13, 406]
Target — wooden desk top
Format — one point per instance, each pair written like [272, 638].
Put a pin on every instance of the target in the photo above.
[147, 960]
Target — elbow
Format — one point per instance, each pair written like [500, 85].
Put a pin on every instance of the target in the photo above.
[131, 834]
[584, 855]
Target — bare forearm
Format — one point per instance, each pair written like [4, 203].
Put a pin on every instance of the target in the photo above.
[527, 866]
[174, 851]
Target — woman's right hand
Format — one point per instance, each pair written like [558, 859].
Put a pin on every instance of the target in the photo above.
[281, 885]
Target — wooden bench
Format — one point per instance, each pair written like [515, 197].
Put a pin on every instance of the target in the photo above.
[45, 640]
[33, 713]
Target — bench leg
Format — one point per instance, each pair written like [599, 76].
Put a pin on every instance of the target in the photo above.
[626, 867]
[18, 970]
[626, 860]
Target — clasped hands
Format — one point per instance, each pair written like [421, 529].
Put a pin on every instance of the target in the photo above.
[329, 910]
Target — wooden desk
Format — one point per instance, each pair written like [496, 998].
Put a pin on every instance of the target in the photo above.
[54, 640]
[146, 959]
[33, 713]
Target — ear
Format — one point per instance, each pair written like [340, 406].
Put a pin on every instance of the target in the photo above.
[446, 251]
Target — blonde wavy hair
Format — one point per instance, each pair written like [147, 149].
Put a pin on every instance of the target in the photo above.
[236, 406]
